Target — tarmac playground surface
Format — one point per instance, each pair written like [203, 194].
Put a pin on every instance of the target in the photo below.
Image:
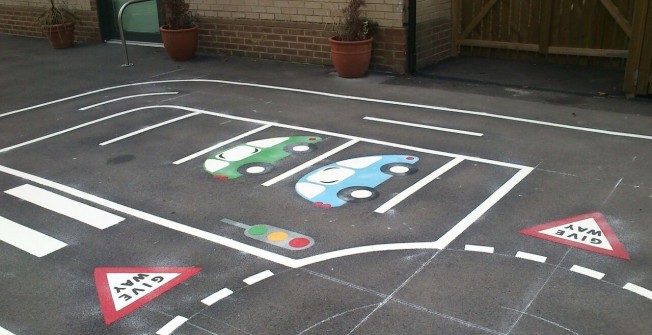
[471, 213]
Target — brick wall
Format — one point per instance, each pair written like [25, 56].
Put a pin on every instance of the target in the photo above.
[292, 42]
[434, 25]
[22, 20]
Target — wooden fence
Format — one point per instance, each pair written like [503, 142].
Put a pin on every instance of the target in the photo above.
[613, 33]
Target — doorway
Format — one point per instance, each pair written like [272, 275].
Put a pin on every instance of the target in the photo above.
[141, 21]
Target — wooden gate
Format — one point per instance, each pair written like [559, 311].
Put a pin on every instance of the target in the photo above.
[563, 31]
[638, 74]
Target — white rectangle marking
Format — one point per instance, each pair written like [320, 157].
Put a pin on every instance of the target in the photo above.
[416, 125]
[172, 325]
[531, 257]
[89, 215]
[309, 163]
[27, 239]
[217, 296]
[258, 277]
[587, 272]
[148, 128]
[418, 185]
[221, 144]
[638, 290]
[5, 332]
[479, 248]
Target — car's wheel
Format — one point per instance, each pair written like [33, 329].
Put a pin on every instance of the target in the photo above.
[255, 168]
[399, 169]
[299, 148]
[358, 194]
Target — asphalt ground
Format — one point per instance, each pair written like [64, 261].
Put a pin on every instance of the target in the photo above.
[104, 191]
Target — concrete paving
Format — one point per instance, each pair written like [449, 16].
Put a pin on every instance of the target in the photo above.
[111, 224]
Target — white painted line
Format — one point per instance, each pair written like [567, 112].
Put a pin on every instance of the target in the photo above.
[417, 125]
[468, 220]
[68, 130]
[217, 296]
[258, 277]
[417, 186]
[587, 272]
[348, 97]
[221, 144]
[264, 254]
[172, 325]
[479, 248]
[531, 257]
[126, 97]
[68, 207]
[638, 290]
[309, 163]
[5, 332]
[149, 128]
[27, 239]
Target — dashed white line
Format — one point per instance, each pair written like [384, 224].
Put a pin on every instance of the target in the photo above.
[217, 296]
[258, 277]
[417, 186]
[309, 163]
[479, 248]
[172, 325]
[221, 144]
[417, 125]
[638, 290]
[74, 209]
[587, 272]
[127, 97]
[149, 128]
[28, 239]
[531, 257]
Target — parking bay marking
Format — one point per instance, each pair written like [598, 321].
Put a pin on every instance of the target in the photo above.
[417, 125]
[27, 239]
[127, 97]
[149, 128]
[5, 332]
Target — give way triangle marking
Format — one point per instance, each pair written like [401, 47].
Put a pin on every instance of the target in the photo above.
[589, 231]
[123, 290]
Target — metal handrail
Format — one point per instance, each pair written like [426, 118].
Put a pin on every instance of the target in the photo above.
[122, 32]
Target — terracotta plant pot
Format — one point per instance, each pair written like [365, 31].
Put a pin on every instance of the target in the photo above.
[351, 58]
[180, 44]
[60, 35]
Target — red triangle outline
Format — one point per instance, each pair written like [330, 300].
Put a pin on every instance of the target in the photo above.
[104, 291]
[618, 251]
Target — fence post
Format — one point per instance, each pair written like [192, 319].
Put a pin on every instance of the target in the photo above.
[636, 43]
[544, 33]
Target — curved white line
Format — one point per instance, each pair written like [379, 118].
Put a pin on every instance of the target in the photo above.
[127, 97]
[349, 97]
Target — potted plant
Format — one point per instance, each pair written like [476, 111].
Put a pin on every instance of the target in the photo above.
[58, 24]
[351, 46]
[180, 34]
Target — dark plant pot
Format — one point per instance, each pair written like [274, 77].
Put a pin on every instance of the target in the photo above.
[180, 44]
[351, 58]
[61, 36]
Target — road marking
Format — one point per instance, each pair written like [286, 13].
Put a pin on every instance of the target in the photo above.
[309, 163]
[68, 130]
[417, 186]
[531, 257]
[172, 325]
[221, 144]
[441, 243]
[479, 248]
[5, 332]
[417, 125]
[217, 296]
[638, 290]
[89, 215]
[27, 239]
[587, 272]
[258, 277]
[468, 220]
[149, 128]
[126, 97]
